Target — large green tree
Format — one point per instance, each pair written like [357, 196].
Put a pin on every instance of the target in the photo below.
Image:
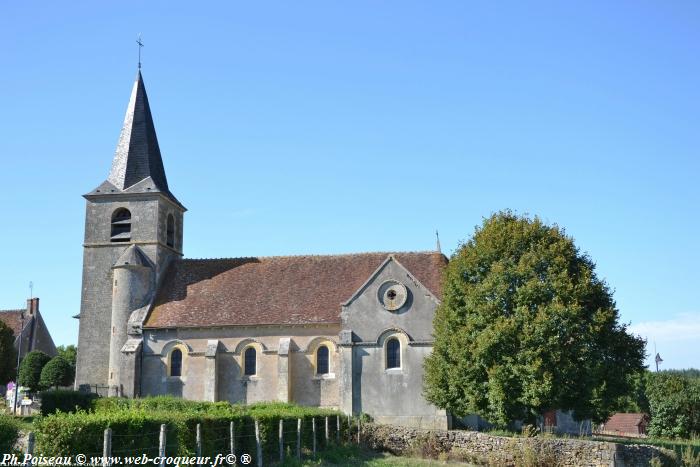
[674, 401]
[525, 326]
[69, 352]
[30, 369]
[57, 372]
[8, 355]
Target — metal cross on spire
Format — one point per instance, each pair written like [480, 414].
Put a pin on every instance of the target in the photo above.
[140, 43]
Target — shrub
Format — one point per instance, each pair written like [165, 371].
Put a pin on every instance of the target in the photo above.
[427, 446]
[57, 372]
[65, 400]
[82, 432]
[674, 401]
[9, 432]
[157, 403]
[529, 431]
[136, 424]
[30, 369]
[689, 457]
[9, 355]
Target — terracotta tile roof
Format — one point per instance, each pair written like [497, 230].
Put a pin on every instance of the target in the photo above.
[626, 423]
[274, 290]
[12, 319]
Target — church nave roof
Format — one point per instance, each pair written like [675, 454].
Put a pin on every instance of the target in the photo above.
[281, 290]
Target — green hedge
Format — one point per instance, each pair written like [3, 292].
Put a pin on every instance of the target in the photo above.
[164, 403]
[136, 423]
[9, 432]
[65, 400]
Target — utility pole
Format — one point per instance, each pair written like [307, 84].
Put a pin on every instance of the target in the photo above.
[19, 357]
[658, 358]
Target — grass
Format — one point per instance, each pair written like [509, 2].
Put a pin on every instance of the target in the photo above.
[355, 456]
[26, 423]
[679, 445]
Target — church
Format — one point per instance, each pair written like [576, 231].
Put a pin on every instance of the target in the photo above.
[340, 331]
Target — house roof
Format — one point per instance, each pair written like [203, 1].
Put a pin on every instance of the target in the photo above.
[625, 422]
[285, 290]
[12, 318]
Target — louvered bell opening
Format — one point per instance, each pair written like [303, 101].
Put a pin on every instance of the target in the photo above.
[121, 226]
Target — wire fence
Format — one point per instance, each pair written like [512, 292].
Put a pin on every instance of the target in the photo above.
[292, 438]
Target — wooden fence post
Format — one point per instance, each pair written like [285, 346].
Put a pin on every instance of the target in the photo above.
[299, 438]
[30, 443]
[326, 431]
[359, 429]
[106, 447]
[257, 444]
[232, 435]
[313, 429]
[281, 440]
[161, 444]
[337, 429]
[198, 440]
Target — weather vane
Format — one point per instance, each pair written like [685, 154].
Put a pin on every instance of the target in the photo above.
[140, 43]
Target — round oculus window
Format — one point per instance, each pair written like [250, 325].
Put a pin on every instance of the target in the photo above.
[392, 295]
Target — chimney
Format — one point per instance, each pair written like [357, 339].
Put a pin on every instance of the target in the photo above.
[32, 306]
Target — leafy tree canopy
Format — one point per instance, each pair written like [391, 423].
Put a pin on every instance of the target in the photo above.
[8, 355]
[69, 352]
[674, 402]
[636, 399]
[57, 372]
[30, 369]
[525, 326]
[692, 373]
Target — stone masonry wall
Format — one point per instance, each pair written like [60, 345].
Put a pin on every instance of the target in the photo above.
[497, 450]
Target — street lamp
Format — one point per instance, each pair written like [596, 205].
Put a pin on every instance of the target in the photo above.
[19, 356]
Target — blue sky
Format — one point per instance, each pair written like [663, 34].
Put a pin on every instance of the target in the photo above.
[329, 127]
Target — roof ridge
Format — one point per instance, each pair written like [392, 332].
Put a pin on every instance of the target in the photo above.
[322, 255]
[301, 289]
[17, 310]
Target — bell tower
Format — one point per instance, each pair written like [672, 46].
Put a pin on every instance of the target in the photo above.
[133, 229]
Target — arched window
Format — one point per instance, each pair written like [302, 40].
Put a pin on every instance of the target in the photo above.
[176, 363]
[170, 231]
[393, 353]
[249, 361]
[322, 367]
[121, 225]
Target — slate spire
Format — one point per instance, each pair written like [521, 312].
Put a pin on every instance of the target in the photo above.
[138, 156]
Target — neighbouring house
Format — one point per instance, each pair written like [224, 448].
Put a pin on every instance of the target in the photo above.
[31, 326]
[563, 422]
[626, 424]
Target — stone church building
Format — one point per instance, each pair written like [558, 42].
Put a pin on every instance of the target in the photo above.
[341, 331]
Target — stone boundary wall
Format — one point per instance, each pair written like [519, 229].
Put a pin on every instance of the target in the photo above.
[479, 448]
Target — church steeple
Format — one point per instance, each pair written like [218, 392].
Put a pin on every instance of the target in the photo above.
[133, 230]
[137, 166]
[138, 155]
